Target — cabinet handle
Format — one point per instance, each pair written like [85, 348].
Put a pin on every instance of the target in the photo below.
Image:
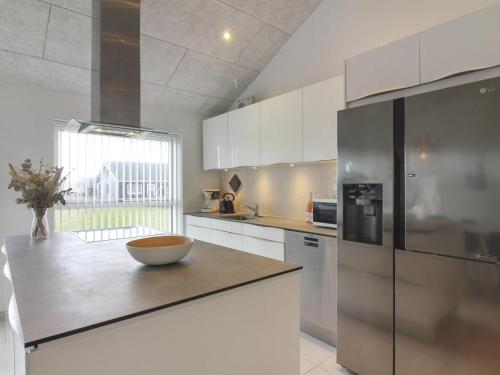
[311, 244]
[313, 239]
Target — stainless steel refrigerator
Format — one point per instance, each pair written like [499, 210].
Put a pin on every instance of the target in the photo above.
[419, 234]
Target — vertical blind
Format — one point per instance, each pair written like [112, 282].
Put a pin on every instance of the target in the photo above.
[122, 186]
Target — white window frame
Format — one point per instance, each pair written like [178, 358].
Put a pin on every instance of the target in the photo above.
[176, 169]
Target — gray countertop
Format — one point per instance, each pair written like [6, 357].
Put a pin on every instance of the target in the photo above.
[65, 286]
[276, 222]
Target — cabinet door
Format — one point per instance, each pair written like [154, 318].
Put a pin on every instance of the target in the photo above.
[281, 129]
[197, 221]
[270, 249]
[320, 105]
[468, 43]
[244, 136]
[391, 67]
[198, 233]
[8, 337]
[19, 356]
[3, 281]
[264, 233]
[231, 240]
[215, 143]
[226, 226]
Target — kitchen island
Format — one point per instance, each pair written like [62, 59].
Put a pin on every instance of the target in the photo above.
[89, 308]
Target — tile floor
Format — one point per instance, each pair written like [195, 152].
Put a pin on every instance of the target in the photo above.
[316, 357]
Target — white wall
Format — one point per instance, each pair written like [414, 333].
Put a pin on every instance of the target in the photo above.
[26, 123]
[26, 131]
[338, 29]
[190, 126]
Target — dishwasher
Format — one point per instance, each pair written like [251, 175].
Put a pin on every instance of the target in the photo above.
[318, 286]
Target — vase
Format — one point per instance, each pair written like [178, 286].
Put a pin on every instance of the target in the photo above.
[40, 224]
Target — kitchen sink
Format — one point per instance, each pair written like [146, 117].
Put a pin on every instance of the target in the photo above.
[239, 217]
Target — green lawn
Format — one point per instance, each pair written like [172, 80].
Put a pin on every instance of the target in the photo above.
[114, 217]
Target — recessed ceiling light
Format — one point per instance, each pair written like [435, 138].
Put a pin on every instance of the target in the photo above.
[292, 165]
[226, 35]
[98, 130]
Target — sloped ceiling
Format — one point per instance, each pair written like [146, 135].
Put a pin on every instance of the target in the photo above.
[186, 65]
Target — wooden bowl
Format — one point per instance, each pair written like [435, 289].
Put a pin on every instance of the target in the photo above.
[159, 250]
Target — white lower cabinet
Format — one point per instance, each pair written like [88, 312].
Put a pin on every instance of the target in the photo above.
[197, 221]
[264, 233]
[198, 233]
[225, 226]
[257, 246]
[259, 240]
[226, 239]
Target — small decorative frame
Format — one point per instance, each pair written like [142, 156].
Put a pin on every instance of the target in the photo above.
[235, 183]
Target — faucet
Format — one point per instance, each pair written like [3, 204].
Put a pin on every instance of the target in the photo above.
[254, 207]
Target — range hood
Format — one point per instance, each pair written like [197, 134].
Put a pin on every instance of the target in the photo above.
[116, 72]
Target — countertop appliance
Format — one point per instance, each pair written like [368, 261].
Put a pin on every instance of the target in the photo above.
[325, 212]
[318, 289]
[227, 205]
[211, 200]
[419, 234]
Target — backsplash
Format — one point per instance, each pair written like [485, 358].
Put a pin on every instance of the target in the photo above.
[281, 190]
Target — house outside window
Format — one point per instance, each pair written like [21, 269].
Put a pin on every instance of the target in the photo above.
[151, 190]
[122, 186]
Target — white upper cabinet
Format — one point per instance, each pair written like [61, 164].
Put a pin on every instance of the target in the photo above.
[321, 102]
[281, 129]
[215, 152]
[468, 43]
[391, 67]
[244, 136]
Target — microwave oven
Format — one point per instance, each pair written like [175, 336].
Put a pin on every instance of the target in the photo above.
[325, 213]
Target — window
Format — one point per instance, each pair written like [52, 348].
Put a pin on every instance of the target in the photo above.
[123, 185]
[151, 190]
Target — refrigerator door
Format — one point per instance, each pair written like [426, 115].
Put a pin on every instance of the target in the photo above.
[365, 239]
[452, 141]
[447, 316]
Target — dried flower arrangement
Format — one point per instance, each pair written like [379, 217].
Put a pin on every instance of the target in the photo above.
[40, 188]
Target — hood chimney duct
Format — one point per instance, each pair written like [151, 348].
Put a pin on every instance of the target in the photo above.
[116, 73]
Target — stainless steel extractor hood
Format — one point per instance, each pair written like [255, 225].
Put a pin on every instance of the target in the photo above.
[116, 70]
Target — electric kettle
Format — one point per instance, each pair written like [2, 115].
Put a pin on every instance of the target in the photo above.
[227, 205]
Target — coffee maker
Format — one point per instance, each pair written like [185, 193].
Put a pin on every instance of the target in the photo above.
[212, 200]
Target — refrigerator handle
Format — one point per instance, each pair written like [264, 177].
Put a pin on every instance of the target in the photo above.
[399, 174]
